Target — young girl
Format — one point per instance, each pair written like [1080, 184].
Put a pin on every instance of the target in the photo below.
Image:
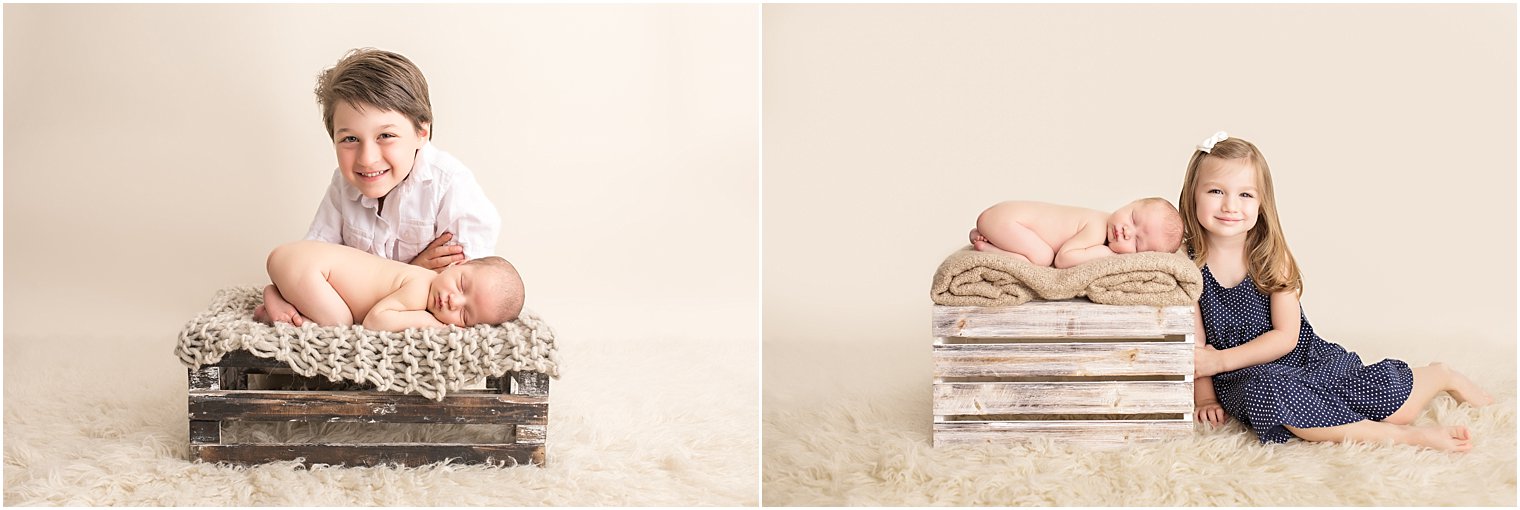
[1269, 369]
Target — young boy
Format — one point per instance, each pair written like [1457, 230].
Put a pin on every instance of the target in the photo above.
[335, 285]
[393, 193]
[1064, 236]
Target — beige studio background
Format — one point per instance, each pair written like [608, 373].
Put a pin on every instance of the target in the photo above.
[1390, 130]
[155, 154]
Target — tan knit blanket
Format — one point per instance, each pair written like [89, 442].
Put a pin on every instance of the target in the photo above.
[429, 362]
[972, 278]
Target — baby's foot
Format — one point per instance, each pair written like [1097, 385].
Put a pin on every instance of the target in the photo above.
[1453, 438]
[977, 237]
[261, 314]
[1464, 390]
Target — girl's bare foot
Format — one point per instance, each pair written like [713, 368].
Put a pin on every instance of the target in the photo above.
[1454, 438]
[1464, 390]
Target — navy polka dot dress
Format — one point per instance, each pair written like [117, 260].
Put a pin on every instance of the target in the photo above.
[1318, 384]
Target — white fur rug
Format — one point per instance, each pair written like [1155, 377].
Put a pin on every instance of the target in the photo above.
[869, 445]
[108, 428]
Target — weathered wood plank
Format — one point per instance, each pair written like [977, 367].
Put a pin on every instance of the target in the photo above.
[367, 406]
[1062, 319]
[529, 383]
[532, 434]
[1128, 397]
[1093, 434]
[1063, 359]
[205, 432]
[409, 454]
[205, 378]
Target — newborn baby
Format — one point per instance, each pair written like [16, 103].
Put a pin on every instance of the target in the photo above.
[1064, 236]
[335, 285]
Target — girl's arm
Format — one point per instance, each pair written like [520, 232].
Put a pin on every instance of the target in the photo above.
[1206, 407]
[1262, 349]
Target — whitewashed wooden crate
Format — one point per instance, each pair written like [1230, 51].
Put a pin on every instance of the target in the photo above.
[1072, 371]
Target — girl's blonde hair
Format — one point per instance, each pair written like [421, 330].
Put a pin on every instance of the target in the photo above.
[1269, 261]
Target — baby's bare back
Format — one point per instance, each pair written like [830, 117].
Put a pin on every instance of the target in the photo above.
[1053, 223]
[360, 279]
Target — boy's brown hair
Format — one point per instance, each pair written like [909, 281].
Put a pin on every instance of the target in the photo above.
[368, 77]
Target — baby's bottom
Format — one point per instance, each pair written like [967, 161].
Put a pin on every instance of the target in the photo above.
[306, 288]
[997, 232]
[1429, 381]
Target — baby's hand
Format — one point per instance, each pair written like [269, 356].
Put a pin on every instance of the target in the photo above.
[1210, 413]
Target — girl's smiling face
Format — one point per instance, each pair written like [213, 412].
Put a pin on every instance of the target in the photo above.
[1227, 196]
[376, 149]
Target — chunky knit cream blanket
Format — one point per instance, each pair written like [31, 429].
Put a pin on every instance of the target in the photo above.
[429, 362]
[973, 278]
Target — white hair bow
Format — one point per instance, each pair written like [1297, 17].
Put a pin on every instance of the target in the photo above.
[1208, 143]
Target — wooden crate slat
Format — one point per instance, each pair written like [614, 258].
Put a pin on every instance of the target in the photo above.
[367, 406]
[205, 432]
[410, 454]
[1062, 319]
[532, 434]
[205, 378]
[529, 383]
[1063, 359]
[1091, 433]
[1127, 397]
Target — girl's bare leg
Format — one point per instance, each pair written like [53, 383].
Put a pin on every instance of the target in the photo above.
[1455, 438]
[1431, 380]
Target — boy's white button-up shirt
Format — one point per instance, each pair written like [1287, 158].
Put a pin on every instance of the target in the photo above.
[440, 195]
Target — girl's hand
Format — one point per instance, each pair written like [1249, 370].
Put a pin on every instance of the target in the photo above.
[1207, 361]
[1210, 413]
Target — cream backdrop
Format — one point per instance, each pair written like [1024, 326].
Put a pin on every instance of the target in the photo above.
[154, 154]
[1390, 130]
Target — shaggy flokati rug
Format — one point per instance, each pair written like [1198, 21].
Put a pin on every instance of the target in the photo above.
[101, 421]
[872, 448]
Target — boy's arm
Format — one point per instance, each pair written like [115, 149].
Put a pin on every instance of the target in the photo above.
[392, 313]
[1269, 346]
[470, 216]
[326, 225]
[1086, 245]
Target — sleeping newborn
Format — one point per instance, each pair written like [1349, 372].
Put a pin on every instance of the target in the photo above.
[335, 285]
[1064, 236]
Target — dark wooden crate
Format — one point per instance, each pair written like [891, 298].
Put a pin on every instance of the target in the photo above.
[519, 402]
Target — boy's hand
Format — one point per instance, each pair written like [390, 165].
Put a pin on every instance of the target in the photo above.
[438, 255]
[1210, 413]
[1207, 361]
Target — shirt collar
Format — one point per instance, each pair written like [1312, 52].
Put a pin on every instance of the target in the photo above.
[422, 171]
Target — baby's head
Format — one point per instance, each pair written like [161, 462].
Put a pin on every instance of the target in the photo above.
[1148, 224]
[486, 290]
[376, 110]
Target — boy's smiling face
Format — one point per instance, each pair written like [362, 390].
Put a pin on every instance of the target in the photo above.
[375, 148]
